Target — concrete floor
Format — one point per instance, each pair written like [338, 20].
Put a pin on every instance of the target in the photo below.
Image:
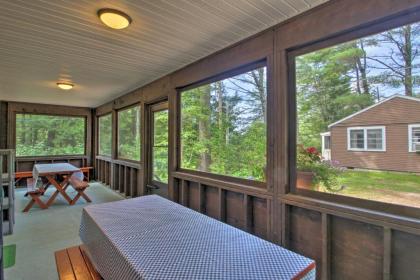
[39, 233]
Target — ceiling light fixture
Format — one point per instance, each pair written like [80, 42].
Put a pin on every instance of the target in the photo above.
[114, 19]
[65, 86]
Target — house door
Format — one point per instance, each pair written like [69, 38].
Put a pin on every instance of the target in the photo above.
[158, 149]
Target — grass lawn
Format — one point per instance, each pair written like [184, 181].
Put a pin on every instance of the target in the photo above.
[393, 187]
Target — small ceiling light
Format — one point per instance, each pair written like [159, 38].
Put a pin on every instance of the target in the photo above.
[114, 18]
[65, 86]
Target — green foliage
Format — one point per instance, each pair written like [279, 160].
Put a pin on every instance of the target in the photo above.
[46, 135]
[129, 133]
[105, 135]
[223, 126]
[325, 173]
[160, 146]
[324, 92]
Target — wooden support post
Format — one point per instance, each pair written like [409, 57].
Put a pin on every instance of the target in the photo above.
[326, 248]
[248, 213]
[202, 197]
[285, 225]
[112, 179]
[184, 193]
[121, 178]
[133, 182]
[387, 253]
[99, 171]
[222, 205]
[127, 189]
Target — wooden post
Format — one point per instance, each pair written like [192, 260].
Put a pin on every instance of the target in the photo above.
[202, 197]
[222, 205]
[248, 213]
[326, 248]
[387, 253]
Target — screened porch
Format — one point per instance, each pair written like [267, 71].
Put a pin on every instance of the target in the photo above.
[210, 139]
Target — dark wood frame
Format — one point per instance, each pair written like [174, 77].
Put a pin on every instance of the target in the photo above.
[138, 104]
[151, 108]
[222, 76]
[85, 119]
[14, 108]
[372, 28]
[97, 132]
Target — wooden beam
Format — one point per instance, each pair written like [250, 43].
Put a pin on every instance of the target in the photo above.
[222, 205]
[248, 213]
[202, 197]
[387, 254]
[184, 193]
[326, 247]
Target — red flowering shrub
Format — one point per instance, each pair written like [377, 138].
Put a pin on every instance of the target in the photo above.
[325, 172]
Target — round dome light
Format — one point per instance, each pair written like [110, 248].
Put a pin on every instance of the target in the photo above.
[114, 19]
[65, 86]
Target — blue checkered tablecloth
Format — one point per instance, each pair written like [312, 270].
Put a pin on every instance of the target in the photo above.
[153, 238]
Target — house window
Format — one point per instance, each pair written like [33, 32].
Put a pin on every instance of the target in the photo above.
[129, 133]
[105, 135]
[366, 138]
[224, 124]
[47, 135]
[414, 138]
[357, 139]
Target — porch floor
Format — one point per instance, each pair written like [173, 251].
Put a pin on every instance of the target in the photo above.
[39, 233]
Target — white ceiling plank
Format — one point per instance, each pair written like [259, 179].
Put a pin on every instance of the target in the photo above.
[42, 41]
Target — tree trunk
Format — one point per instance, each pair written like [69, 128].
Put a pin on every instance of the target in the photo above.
[407, 54]
[204, 129]
[219, 92]
[362, 65]
[258, 76]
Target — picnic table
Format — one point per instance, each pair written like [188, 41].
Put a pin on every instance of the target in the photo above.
[153, 238]
[58, 175]
[51, 171]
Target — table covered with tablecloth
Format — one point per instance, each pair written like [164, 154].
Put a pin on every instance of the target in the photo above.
[153, 238]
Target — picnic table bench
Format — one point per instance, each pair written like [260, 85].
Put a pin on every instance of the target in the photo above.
[73, 264]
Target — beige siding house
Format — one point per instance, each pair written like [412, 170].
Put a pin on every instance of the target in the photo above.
[384, 136]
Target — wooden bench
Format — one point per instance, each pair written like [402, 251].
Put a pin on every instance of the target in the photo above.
[35, 194]
[80, 187]
[86, 171]
[74, 264]
[22, 175]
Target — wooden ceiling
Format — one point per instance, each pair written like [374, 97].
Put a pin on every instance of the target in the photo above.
[42, 42]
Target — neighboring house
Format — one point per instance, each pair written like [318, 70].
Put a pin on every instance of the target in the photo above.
[384, 136]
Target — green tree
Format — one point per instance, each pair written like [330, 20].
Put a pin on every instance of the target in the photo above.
[223, 126]
[324, 90]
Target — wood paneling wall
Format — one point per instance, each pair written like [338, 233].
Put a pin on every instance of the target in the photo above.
[347, 241]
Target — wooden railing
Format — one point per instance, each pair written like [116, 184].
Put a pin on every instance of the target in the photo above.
[121, 176]
[241, 206]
